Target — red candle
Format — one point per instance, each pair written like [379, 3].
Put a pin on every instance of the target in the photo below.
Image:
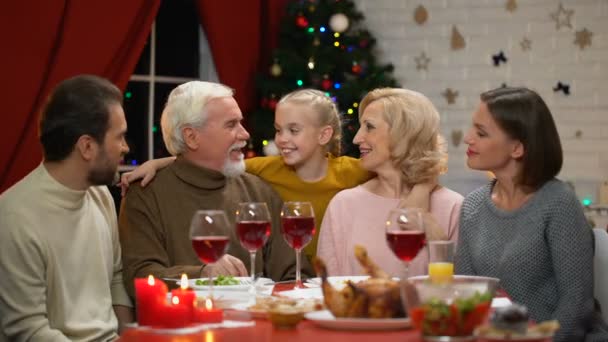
[208, 314]
[186, 296]
[150, 298]
[175, 315]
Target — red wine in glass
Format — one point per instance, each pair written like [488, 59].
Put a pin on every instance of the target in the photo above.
[298, 230]
[210, 248]
[253, 229]
[209, 235]
[298, 227]
[406, 244]
[405, 234]
[253, 234]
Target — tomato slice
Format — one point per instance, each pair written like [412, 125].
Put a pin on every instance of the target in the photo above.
[475, 317]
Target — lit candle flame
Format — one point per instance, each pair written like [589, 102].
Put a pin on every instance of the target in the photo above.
[184, 282]
[209, 336]
[175, 300]
[150, 280]
[208, 304]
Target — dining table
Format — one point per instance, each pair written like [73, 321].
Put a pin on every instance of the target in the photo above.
[263, 330]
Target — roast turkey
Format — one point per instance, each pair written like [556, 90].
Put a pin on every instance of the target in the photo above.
[377, 297]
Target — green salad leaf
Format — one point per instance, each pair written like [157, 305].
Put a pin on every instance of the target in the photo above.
[219, 280]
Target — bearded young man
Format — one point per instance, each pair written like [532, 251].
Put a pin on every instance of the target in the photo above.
[201, 125]
[60, 219]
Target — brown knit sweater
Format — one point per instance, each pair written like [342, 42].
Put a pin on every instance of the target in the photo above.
[155, 221]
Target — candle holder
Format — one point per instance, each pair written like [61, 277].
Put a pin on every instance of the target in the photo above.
[176, 315]
[205, 312]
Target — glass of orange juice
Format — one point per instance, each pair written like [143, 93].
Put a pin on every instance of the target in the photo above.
[441, 263]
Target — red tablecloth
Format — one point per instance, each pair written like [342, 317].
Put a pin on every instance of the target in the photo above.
[263, 330]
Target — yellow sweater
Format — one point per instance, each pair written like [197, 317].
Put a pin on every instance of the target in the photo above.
[342, 173]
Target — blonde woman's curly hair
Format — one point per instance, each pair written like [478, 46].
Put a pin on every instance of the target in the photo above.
[417, 149]
[326, 110]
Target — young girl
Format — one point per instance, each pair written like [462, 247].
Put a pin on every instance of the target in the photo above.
[308, 136]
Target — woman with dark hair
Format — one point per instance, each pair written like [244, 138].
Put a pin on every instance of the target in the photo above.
[526, 227]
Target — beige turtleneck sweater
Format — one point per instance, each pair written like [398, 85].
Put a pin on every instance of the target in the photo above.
[155, 222]
[60, 262]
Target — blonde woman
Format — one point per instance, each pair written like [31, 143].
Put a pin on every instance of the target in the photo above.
[400, 143]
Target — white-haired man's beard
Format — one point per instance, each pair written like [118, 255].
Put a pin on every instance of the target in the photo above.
[234, 168]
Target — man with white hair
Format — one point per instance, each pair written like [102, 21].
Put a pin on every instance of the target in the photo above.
[201, 126]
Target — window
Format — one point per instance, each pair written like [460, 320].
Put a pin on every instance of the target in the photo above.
[176, 52]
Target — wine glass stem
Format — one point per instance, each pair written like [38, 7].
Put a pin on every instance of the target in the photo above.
[407, 269]
[298, 275]
[252, 270]
[211, 287]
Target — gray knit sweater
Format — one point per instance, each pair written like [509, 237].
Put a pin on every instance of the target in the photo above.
[542, 253]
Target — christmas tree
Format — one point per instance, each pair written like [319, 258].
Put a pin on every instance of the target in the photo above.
[322, 45]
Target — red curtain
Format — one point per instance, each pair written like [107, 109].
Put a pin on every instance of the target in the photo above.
[241, 41]
[47, 41]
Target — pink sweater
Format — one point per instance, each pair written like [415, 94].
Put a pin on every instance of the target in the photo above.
[356, 216]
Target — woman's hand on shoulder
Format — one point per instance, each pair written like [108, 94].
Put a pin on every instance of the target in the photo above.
[420, 195]
[433, 230]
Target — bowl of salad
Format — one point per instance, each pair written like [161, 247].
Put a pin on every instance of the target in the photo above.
[227, 282]
[448, 311]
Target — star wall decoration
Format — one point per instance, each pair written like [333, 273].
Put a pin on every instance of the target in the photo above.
[583, 38]
[526, 44]
[563, 87]
[562, 17]
[456, 137]
[511, 5]
[450, 95]
[422, 62]
[498, 58]
[457, 42]
[421, 15]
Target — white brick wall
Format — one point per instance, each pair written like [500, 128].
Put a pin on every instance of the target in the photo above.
[488, 28]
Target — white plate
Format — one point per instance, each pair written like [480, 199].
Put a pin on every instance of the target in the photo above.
[171, 331]
[325, 319]
[301, 305]
[500, 302]
[191, 329]
[244, 284]
[337, 282]
[314, 293]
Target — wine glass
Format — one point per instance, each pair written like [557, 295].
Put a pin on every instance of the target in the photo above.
[405, 234]
[253, 229]
[209, 235]
[298, 227]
